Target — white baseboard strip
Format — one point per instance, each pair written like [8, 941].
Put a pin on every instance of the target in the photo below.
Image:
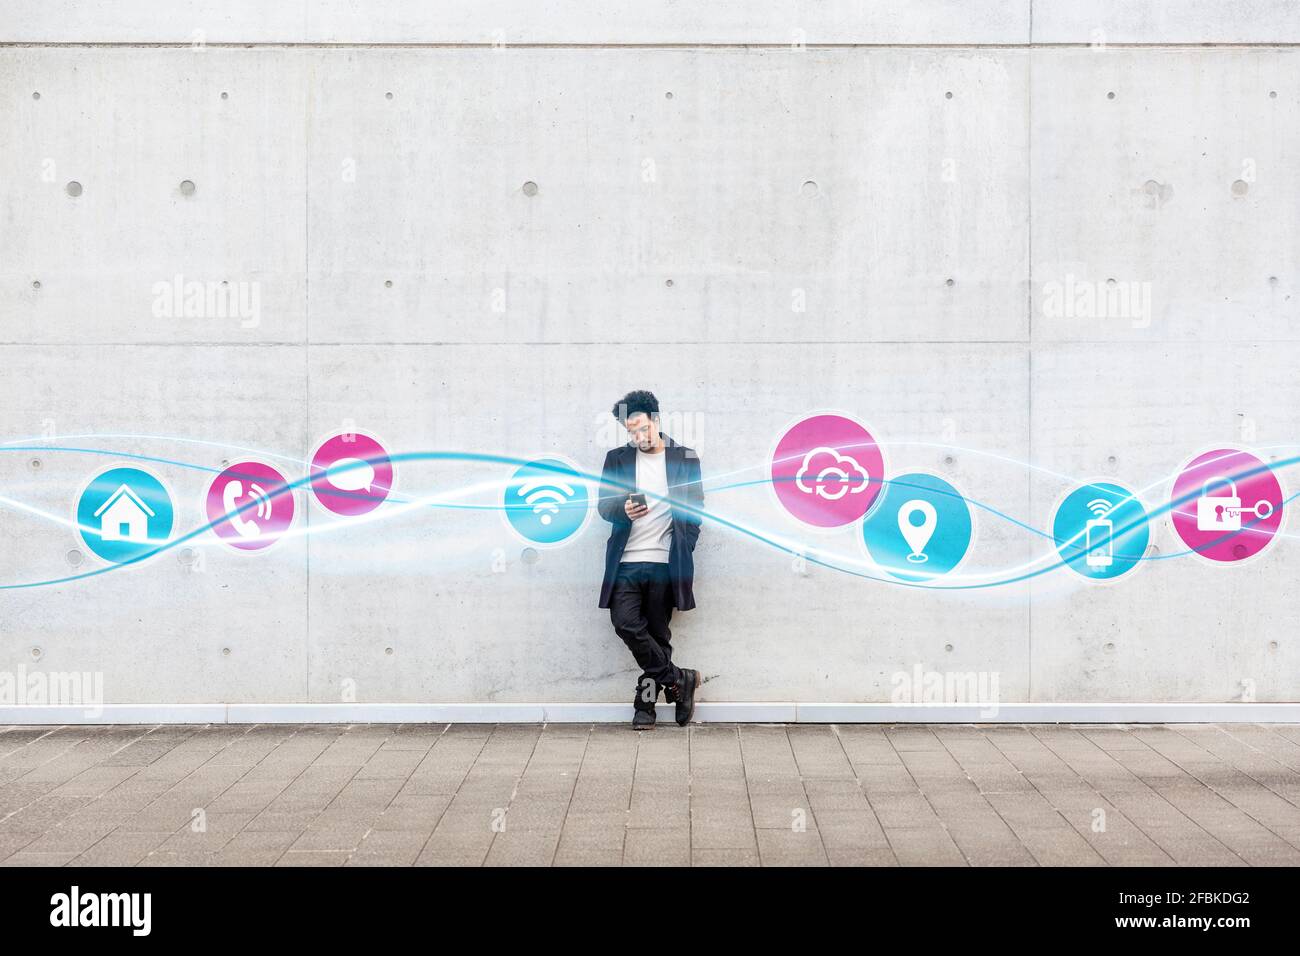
[705, 712]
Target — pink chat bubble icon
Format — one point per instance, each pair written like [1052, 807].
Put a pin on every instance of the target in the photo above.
[351, 474]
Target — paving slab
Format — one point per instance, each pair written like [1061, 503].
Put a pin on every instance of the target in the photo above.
[604, 795]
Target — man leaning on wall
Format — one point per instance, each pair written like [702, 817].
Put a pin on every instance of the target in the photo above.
[652, 495]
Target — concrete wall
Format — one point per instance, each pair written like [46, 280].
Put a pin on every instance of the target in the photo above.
[841, 171]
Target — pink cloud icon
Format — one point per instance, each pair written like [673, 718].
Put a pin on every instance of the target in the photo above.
[827, 470]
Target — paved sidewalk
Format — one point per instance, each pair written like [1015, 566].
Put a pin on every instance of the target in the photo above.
[567, 794]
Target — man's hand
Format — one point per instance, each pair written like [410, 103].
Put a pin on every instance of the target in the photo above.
[634, 510]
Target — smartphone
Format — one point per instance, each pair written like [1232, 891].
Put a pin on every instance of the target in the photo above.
[638, 499]
[1098, 532]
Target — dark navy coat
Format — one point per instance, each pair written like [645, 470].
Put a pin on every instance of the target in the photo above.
[618, 479]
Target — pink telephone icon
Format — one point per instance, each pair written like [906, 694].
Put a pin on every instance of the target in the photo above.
[230, 495]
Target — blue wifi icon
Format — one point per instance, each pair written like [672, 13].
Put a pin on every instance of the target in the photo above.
[546, 501]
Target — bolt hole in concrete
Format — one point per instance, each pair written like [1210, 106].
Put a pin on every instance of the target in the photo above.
[1240, 187]
[187, 188]
[37, 96]
[225, 96]
[1110, 647]
[1272, 645]
[1110, 282]
[74, 558]
[36, 283]
[1111, 460]
[949, 460]
[1272, 280]
[947, 648]
[948, 95]
[1110, 96]
[73, 188]
[668, 95]
[669, 283]
[36, 464]
[1160, 193]
[1272, 94]
[809, 188]
[530, 188]
[388, 96]
[1238, 551]
[530, 556]
[951, 282]
[36, 652]
[388, 650]
[225, 652]
[388, 283]
[186, 556]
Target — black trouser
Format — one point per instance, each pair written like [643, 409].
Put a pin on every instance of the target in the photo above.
[640, 606]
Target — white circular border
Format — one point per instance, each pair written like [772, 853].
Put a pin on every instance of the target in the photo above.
[1056, 549]
[293, 493]
[586, 518]
[933, 583]
[311, 456]
[771, 485]
[1169, 496]
[171, 498]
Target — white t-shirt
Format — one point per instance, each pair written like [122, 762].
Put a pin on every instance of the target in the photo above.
[652, 533]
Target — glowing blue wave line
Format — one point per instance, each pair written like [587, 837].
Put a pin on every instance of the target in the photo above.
[569, 471]
[563, 470]
[403, 505]
[1070, 479]
[258, 452]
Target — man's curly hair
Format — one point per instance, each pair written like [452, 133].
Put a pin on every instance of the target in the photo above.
[633, 403]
